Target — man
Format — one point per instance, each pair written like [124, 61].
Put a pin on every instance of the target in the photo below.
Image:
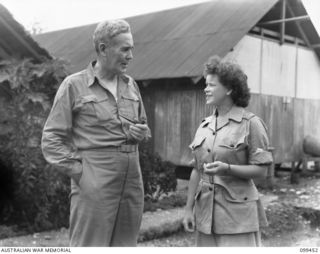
[92, 135]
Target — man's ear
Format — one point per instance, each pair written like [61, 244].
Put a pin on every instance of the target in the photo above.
[102, 48]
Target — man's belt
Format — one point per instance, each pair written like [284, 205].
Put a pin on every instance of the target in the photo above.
[122, 149]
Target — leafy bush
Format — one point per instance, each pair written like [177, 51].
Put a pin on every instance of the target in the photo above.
[282, 217]
[40, 195]
[158, 176]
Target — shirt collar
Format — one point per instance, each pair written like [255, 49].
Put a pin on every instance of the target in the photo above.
[92, 78]
[235, 114]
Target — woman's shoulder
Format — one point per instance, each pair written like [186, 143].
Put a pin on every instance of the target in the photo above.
[247, 115]
[255, 121]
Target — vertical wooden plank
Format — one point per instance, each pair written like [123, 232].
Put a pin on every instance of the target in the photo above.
[147, 95]
[283, 24]
[188, 114]
[261, 63]
[299, 124]
[173, 127]
[160, 123]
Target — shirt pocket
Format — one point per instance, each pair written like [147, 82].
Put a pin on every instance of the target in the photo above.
[200, 153]
[96, 109]
[129, 107]
[234, 143]
[234, 150]
[242, 195]
[203, 208]
[236, 213]
[198, 141]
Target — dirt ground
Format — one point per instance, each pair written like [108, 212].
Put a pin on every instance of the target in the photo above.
[294, 217]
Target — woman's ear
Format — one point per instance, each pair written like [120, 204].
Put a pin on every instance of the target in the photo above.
[229, 92]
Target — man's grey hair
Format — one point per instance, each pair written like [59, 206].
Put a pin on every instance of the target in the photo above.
[108, 29]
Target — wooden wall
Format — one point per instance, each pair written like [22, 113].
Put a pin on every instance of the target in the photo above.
[285, 85]
[174, 116]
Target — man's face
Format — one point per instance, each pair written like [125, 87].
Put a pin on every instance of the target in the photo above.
[119, 53]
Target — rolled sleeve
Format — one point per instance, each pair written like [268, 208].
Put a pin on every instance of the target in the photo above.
[56, 144]
[258, 143]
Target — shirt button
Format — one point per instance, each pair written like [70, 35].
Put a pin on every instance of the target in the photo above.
[209, 150]
[245, 198]
[210, 188]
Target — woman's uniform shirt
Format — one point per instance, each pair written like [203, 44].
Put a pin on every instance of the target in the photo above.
[229, 204]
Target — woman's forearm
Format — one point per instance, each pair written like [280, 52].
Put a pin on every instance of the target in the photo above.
[247, 171]
[242, 171]
[192, 188]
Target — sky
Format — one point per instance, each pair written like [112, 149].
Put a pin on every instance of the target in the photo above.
[50, 15]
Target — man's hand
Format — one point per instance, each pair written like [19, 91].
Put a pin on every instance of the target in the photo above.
[215, 168]
[139, 131]
[189, 222]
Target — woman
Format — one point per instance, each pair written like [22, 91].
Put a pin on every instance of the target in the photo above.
[230, 148]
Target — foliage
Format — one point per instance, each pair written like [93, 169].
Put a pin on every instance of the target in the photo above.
[158, 176]
[165, 203]
[38, 190]
[282, 217]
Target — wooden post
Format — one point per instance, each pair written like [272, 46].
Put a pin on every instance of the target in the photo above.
[283, 24]
[270, 173]
[302, 33]
[261, 61]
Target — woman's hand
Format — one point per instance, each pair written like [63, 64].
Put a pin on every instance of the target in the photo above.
[189, 221]
[215, 168]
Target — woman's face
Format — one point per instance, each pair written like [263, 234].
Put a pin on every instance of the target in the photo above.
[215, 92]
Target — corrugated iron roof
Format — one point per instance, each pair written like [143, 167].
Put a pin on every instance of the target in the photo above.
[168, 44]
[15, 42]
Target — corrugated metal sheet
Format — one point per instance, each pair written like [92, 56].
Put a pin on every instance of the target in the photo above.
[168, 44]
[15, 42]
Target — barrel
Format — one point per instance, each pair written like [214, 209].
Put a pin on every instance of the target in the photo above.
[311, 146]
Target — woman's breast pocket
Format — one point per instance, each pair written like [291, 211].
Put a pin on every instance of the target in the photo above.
[201, 152]
[235, 147]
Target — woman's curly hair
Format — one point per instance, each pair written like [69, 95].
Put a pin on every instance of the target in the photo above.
[232, 77]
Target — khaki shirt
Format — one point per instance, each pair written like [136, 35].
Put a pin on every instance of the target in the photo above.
[229, 204]
[85, 116]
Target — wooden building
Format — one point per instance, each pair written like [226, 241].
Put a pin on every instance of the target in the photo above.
[273, 40]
